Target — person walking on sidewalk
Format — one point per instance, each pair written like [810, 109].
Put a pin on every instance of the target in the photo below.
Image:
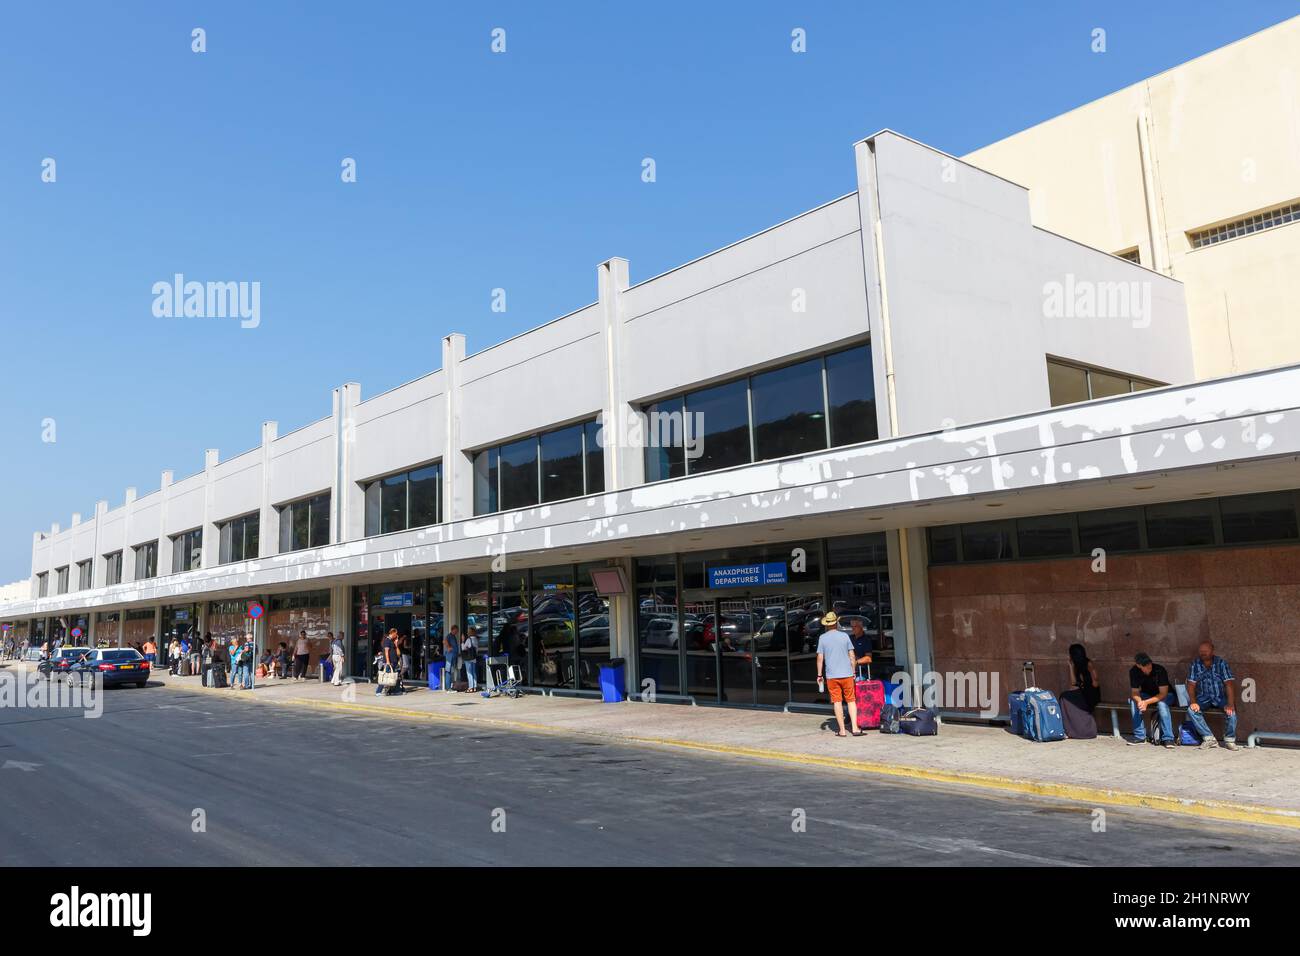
[1149, 687]
[301, 654]
[451, 654]
[336, 659]
[1210, 684]
[836, 662]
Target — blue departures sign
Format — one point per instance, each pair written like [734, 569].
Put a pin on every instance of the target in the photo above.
[397, 600]
[749, 575]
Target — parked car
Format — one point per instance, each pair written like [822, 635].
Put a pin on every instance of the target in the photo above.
[62, 660]
[116, 665]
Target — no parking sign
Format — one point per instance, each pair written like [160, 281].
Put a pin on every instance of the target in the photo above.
[76, 633]
[255, 611]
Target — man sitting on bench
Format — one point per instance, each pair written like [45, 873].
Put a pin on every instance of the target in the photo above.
[1148, 687]
[1210, 684]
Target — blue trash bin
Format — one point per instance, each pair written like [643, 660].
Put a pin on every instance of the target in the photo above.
[435, 675]
[326, 670]
[613, 681]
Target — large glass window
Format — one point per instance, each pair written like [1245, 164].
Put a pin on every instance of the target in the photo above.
[562, 463]
[717, 427]
[1068, 383]
[793, 410]
[789, 411]
[61, 580]
[658, 628]
[146, 560]
[851, 390]
[665, 454]
[1111, 529]
[43, 584]
[306, 523]
[187, 551]
[424, 493]
[1180, 524]
[549, 466]
[240, 538]
[113, 568]
[410, 499]
[1266, 517]
[519, 474]
[1045, 536]
[85, 575]
[987, 540]
[486, 469]
[593, 444]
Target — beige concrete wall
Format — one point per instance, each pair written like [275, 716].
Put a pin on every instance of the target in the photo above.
[1222, 139]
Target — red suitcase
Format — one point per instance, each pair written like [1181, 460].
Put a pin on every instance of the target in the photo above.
[871, 699]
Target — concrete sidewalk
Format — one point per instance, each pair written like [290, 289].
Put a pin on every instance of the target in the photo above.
[1253, 786]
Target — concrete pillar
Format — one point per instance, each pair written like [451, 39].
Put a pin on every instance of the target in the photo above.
[347, 501]
[268, 519]
[457, 468]
[341, 611]
[211, 555]
[128, 536]
[98, 569]
[164, 540]
[623, 636]
[624, 459]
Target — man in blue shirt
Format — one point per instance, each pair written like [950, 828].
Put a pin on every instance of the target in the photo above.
[1210, 684]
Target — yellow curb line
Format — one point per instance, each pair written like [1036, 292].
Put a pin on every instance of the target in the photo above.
[1206, 809]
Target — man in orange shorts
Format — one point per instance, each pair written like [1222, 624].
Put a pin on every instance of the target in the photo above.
[835, 662]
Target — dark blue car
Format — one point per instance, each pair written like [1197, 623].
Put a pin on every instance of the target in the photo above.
[116, 665]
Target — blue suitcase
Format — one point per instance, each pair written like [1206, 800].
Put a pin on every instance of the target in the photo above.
[1043, 721]
[1018, 703]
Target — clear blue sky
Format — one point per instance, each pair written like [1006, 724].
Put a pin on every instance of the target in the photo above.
[475, 171]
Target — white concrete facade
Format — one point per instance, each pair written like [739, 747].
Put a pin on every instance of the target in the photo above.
[934, 262]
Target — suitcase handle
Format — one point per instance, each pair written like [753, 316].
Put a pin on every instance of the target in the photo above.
[868, 677]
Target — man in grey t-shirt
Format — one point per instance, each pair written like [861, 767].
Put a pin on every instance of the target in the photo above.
[835, 662]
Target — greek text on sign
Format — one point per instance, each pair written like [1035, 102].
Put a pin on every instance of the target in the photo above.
[749, 575]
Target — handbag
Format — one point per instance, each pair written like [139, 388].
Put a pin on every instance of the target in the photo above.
[387, 676]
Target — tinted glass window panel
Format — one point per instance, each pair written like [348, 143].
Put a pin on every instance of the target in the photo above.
[1267, 517]
[789, 411]
[424, 490]
[986, 541]
[1104, 385]
[665, 455]
[286, 519]
[717, 427]
[392, 506]
[595, 458]
[1141, 386]
[858, 551]
[1111, 529]
[225, 554]
[320, 521]
[1066, 384]
[518, 464]
[850, 386]
[562, 464]
[1045, 536]
[485, 481]
[943, 545]
[1180, 524]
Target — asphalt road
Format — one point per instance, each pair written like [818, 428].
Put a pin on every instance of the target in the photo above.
[287, 786]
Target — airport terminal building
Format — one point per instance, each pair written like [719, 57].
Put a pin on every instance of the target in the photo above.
[910, 405]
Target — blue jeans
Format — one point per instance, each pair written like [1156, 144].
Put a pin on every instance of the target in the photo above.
[246, 675]
[1203, 728]
[471, 673]
[1139, 726]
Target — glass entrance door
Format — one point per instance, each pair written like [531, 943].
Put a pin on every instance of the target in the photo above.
[740, 649]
